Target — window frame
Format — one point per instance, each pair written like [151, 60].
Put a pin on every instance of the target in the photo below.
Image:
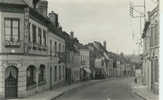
[44, 37]
[12, 28]
[31, 80]
[34, 33]
[39, 35]
[41, 74]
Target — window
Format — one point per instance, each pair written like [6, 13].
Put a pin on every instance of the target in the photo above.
[63, 48]
[156, 29]
[50, 47]
[55, 45]
[151, 38]
[156, 70]
[39, 36]
[63, 72]
[59, 47]
[29, 36]
[60, 72]
[44, 37]
[42, 73]
[55, 73]
[34, 33]
[31, 75]
[12, 29]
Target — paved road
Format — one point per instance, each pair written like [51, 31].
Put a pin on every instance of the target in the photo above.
[119, 89]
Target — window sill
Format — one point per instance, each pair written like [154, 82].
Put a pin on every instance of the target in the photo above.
[12, 44]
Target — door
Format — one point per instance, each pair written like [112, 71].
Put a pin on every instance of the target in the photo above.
[11, 78]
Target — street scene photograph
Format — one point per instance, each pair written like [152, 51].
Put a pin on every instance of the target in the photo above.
[80, 49]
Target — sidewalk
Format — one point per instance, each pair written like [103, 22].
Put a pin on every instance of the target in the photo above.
[53, 94]
[143, 92]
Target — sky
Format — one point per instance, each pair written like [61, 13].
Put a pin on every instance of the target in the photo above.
[100, 20]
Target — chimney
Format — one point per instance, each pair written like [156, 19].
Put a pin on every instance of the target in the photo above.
[104, 43]
[54, 18]
[42, 7]
[72, 34]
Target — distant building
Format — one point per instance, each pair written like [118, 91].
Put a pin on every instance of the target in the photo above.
[99, 60]
[85, 60]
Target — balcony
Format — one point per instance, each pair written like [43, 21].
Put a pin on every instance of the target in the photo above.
[36, 46]
[12, 44]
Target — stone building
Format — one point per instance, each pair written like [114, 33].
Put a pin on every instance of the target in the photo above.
[31, 48]
[85, 72]
[100, 62]
[151, 50]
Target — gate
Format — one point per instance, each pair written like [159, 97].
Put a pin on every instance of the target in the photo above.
[11, 78]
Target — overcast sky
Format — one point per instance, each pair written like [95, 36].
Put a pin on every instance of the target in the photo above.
[99, 20]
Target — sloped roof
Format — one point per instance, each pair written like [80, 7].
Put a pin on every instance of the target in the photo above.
[19, 2]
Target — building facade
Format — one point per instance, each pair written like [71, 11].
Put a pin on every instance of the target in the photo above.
[154, 48]
[100, 62]
[31, 49]
[85, 72]
[151, 50]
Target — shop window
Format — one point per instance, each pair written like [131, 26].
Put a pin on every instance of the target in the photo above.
[42, 74]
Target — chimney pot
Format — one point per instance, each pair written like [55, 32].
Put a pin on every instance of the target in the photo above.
[72, 34]
[104, 43]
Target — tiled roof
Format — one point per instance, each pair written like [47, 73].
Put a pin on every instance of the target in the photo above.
[19, 2]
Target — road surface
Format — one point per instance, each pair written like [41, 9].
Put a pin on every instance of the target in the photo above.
[117, 89]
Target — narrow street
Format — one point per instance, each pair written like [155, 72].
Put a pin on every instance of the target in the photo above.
[119, 89]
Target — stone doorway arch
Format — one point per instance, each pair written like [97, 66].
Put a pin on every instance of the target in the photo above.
[11, 82]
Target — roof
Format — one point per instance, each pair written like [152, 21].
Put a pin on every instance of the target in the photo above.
[19, 2]
[81, 46]
[35, 13]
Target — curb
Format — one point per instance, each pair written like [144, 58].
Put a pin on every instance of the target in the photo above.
[139, 95]
[54, 98]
